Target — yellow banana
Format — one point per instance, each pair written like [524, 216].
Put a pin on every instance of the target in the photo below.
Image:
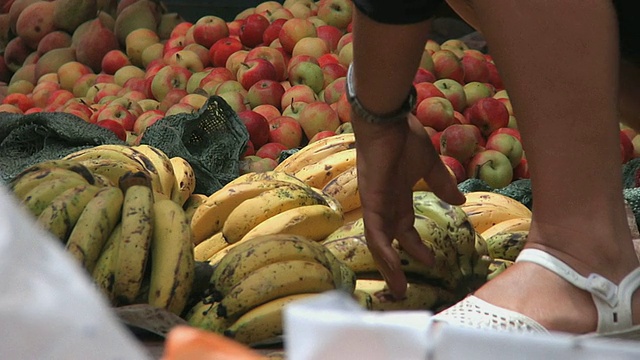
[316, 151]
[353, 252]
[94, 226]
[319, 173]
[184, 180]
[263, 323]
[249, 256]
[252, 212]
[515, 224]
[363, 299]
[487, 197]
[353, 228]
[484, 216]
[419, 296]
[497, 266]
[62, 213]
[454, 220]
[352, 215]
[209, 217]
[267, 175]
[191, 205]
[314, 222]
[204, 315]
[103, 181]
[123, 154]
[133, 249]
[172, 265]
[344, 188]
[162, 164]
[36, 200]
[28, 179]
[208, 247]
[103, 273]
[112, 170]
[330, 200]
[507, 245]
[275, 281]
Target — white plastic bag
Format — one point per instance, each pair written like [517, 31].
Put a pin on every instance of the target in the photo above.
[49, 308]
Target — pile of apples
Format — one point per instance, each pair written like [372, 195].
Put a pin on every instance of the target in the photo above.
[281, 66]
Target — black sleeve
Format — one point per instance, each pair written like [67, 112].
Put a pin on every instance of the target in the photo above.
[398, 11]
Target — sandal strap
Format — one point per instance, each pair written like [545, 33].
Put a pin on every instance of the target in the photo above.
[613, 302]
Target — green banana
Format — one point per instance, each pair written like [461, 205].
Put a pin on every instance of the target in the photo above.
[204, 315]
[497, 266]
[103, 273]
[43, 194]
[349, 229]
[39, 173]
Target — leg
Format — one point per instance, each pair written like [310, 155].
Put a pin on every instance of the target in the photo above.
[562, 80]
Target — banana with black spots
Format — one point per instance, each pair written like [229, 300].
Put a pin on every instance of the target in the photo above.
[253, 211]
[488, 197]
[211, 215]
[94, 226]
[103, 273]
[515, 224]
[162, 164]
[172, 264]
[344, 188]
[452, 219]
[263, 323]
[204, 315]
[316, 151]
[249, 256]
[348, 229]
[318, 174]
[36, 200]
[113, 170]
[208, 247]
[35, 175]
[62, 213]
[137, 219]
[497, 266]
[267, 175]
[314, 222]
[274, 281]
[419, 296]
[507, 245]
[191, 205]
[484, 216]
[184, 180]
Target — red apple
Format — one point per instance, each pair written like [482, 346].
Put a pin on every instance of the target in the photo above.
[253, 163]
[270, 150]
[169, 77]
[331, 72]
[272, 55]
[115, 127]
[456, 167]
[257, 127]
[298, 93]
[250, 149]
[22, 101]
[331, 35]
[265, 91]
[459, 141]
[114, 60]
[454, 92]
[435, 112]
[180, 29]
[286, 131]
[435, 141]
[330, 58]
[222, 49]
[252, 31]
[423, 75]
[507, 130]
[491, 166]
[494, 77]
[316, 117]
[268, 111]
[447, 65]
[272, 31]
[293, 30]
[488, 115]
[250, 71]
[474, 66]
[119, 114]
[171, 98]
[507, 144]
[334, 90]
[209, 29]
[147, 119]
[521, 171]
[426, 90]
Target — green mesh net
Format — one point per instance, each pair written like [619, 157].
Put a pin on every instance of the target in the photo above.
[212, 140]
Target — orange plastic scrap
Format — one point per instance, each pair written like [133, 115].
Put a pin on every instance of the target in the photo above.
[190, 343]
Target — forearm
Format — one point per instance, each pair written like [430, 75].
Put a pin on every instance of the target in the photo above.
[385, 60]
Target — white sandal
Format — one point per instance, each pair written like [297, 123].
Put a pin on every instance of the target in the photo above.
[613, 303]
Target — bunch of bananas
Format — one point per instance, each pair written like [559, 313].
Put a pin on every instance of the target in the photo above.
[134, 239]
[461, 261]
[255, 279]
[502, 222]
[257, 204]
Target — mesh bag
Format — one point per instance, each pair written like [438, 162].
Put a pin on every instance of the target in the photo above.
[212, 140]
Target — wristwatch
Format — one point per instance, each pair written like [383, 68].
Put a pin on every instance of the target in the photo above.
[393, 117]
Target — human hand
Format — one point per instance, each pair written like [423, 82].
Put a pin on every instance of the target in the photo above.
[391, 159]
